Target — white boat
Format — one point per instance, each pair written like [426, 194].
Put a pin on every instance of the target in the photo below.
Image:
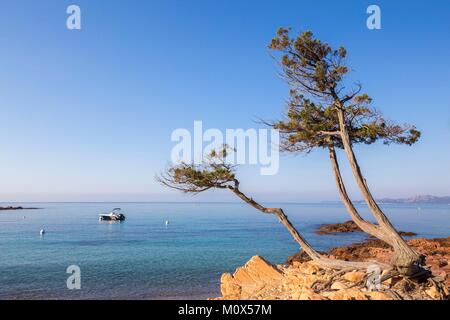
[114, 215]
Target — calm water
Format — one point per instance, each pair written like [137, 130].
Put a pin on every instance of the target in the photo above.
[141, 258]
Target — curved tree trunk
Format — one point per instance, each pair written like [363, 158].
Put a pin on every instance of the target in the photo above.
[405, 258]
[312, 253]
[364, 225]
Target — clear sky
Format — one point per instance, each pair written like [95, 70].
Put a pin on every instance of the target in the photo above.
[86, 115]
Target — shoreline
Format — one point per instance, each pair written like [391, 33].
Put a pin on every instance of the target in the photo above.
[300, 278]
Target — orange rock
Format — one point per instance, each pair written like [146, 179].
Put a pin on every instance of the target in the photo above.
[346, 294]
[250, 279]
[258, 270]
[308, 294]
[376, 295]
[433, 293]
[258, 279]
[339, 286]
[229, 289]
[354, 276]
[309, 267]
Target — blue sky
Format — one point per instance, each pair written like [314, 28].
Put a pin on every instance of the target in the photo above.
[87, 115]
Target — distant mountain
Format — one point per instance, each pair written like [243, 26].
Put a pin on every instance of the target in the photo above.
[417, 199]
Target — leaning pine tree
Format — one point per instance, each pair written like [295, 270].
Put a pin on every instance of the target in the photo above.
[322, 115]
[216, 173]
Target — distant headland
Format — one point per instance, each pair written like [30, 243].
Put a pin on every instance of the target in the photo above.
[417, 199]
[16, 208]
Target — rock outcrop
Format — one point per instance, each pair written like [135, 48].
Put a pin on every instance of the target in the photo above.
[302, 279]
[257, 275]
[16, 208]
[349, 226]
[437, 252]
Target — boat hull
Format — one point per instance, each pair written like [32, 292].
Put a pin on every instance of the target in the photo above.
[120, 217]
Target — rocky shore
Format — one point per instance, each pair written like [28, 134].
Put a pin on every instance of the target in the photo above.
[301, 279]
[349, 226]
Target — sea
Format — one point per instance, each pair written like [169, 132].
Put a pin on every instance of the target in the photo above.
[145, 258]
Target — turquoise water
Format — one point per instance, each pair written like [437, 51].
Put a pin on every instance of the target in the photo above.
[141, 258]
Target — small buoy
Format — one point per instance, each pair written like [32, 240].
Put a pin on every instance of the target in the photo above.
[42, 232]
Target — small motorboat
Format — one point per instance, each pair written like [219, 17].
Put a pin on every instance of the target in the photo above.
[114, 215]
